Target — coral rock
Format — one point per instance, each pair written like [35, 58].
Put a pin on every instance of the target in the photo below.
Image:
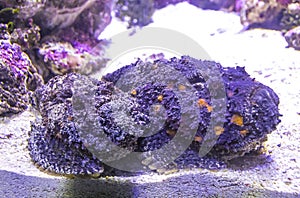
[291, 15]
[28, 37]
[18, 78]
[91, 15]
[293, 38]
[135, 13]
[61, 58]
[260, 12]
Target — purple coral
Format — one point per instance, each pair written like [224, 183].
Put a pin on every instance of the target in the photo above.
[62, 57]
[15, 59]
[17, 78]
[284, 2]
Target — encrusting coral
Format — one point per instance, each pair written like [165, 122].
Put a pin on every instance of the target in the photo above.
[292, 37]
[42, 27]
[62, 58]
[290, 18]
[260, 12]
[18, 77]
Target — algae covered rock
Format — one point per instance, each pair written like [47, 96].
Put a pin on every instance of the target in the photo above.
[292, 37]
[59, 36]
[18, 78]
[291, 14]
[135, 13]
[91, 15]
[28, 36]
[79, 121]
[260, 12]
[61, 58]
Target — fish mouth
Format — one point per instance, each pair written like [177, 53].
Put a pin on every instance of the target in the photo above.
[265, 94]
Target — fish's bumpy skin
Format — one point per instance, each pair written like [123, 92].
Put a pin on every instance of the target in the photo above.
[54, 143]
[252, 113]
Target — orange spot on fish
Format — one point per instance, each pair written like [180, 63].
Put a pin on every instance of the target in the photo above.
[133, 92]
[171, 132]
[202, 103]
[209, 108]
[218, 130]
[160, 98]
[244, 132]
[181, 87]
[198, 139]
[70, 118]
[237, 119]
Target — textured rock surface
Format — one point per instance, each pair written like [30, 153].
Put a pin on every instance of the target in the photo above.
[292, 37]
[290, 18]
[62, 58]
[59, 36]
[18, 78]
[54, 15]
[260, 12]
